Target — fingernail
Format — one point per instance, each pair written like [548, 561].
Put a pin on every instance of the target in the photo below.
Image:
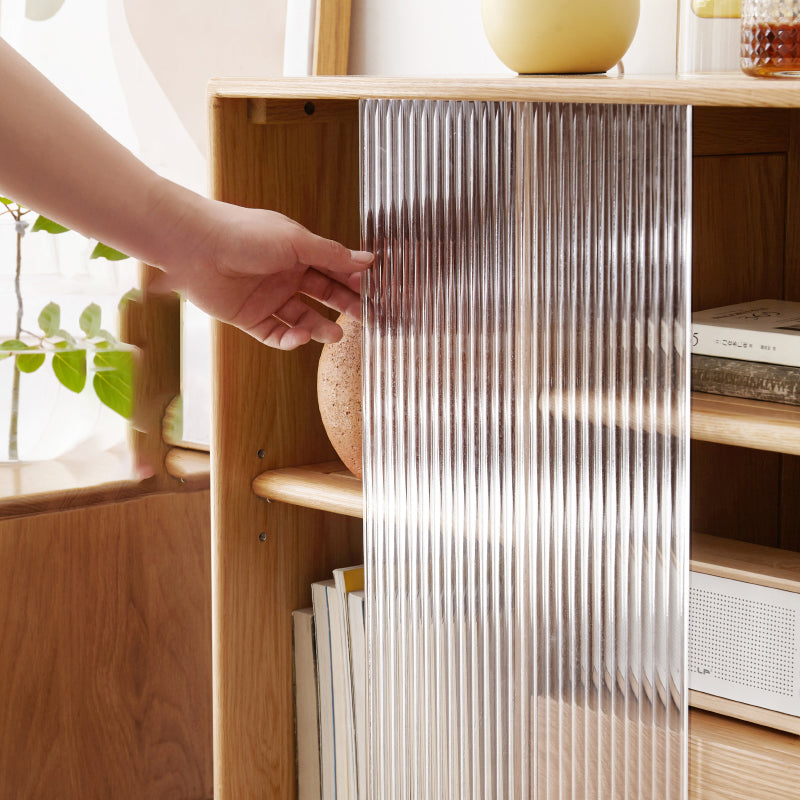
[362, 256]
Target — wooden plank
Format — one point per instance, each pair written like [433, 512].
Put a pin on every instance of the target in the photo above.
[266, 416]
[105, 639]
[720, 90]
[742, 561]
[339, 492]
[734, 131]
[732, 760]
[746, 423]
[189, 465]
[331, 37]
[153, 324]
[744, 712]
[263, 111]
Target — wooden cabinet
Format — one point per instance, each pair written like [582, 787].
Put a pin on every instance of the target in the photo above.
[285, 513]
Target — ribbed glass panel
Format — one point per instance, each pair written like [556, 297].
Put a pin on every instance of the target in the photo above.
[526, 431]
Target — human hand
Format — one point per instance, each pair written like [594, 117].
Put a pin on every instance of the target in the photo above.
[257, 270]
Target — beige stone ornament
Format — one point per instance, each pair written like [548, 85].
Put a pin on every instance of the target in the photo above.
[339, 393]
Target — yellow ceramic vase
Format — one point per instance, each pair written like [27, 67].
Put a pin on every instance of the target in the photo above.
[560, 36]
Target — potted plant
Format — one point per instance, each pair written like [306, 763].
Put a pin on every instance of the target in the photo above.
[88, 361]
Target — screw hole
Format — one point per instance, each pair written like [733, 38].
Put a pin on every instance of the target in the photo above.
[261, 453]
[309, 108]
[262, 537]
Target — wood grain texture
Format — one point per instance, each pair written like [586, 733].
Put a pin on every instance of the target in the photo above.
[153, 324]
[736, 131]
[738, 220]
[266, 417]
[339, 491]
[732, 760]
[740, 206]
[754, 714]
[791, 267]
[189, 466]
[735, 493]
[721, 90]
[748, 423]
[331, 37]
[790, 503]
[105, 664]
[742, 561]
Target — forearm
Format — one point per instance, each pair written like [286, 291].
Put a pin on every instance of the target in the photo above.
[57, 161]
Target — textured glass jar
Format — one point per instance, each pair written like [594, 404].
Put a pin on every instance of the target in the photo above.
[547, 36]
[771, 38]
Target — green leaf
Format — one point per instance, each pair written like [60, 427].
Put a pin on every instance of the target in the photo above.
[107, 336]
[113, 381]
[6, 202]
[50, 319]
[90, 320]
[11, 346]
[70, 369]
[131, 295]
[104, 251]
[68, 338]
[30, 363]
[47, 225]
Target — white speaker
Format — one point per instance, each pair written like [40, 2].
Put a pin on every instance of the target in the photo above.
[744, 631]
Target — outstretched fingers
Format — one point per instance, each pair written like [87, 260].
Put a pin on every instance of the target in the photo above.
[332, 292]
[304, 322]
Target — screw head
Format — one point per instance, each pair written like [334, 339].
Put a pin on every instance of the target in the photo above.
[261, 453]
[262, 537]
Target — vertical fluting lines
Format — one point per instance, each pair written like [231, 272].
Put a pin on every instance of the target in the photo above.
[525, 403]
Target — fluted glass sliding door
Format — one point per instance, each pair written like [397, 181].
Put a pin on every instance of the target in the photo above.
[526, 440]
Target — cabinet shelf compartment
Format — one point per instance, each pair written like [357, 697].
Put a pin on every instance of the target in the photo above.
[725, 420]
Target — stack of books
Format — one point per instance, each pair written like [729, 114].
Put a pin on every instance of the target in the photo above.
[330, 689]
[749, 350]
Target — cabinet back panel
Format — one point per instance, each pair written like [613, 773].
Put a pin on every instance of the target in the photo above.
[745, 243]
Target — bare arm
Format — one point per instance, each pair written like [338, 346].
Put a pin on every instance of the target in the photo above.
[251, 268]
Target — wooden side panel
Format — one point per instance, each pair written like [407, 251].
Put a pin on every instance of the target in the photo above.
[265, 401]
[153, 324]
[105, 652]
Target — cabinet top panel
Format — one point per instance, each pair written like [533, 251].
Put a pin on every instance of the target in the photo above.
[723, 89]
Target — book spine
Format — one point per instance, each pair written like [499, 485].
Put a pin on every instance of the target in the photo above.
[746, 345]
[748, 379]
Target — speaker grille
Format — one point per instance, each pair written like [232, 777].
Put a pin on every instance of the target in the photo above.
[743, 642]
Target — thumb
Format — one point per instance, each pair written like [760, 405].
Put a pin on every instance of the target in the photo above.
[328, 254]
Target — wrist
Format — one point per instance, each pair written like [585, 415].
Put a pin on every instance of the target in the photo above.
[179, 224]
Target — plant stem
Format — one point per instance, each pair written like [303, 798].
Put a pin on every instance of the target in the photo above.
[13, 430]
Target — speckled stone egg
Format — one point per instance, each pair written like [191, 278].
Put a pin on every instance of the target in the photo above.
[339, 393]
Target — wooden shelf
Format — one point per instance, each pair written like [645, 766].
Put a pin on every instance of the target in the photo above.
[325, 487]
[188, 465]
[725, 420]
[723, 89]
[732, 760]
[746, 423]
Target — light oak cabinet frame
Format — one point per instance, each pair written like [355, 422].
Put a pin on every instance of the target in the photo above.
[285, 513]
